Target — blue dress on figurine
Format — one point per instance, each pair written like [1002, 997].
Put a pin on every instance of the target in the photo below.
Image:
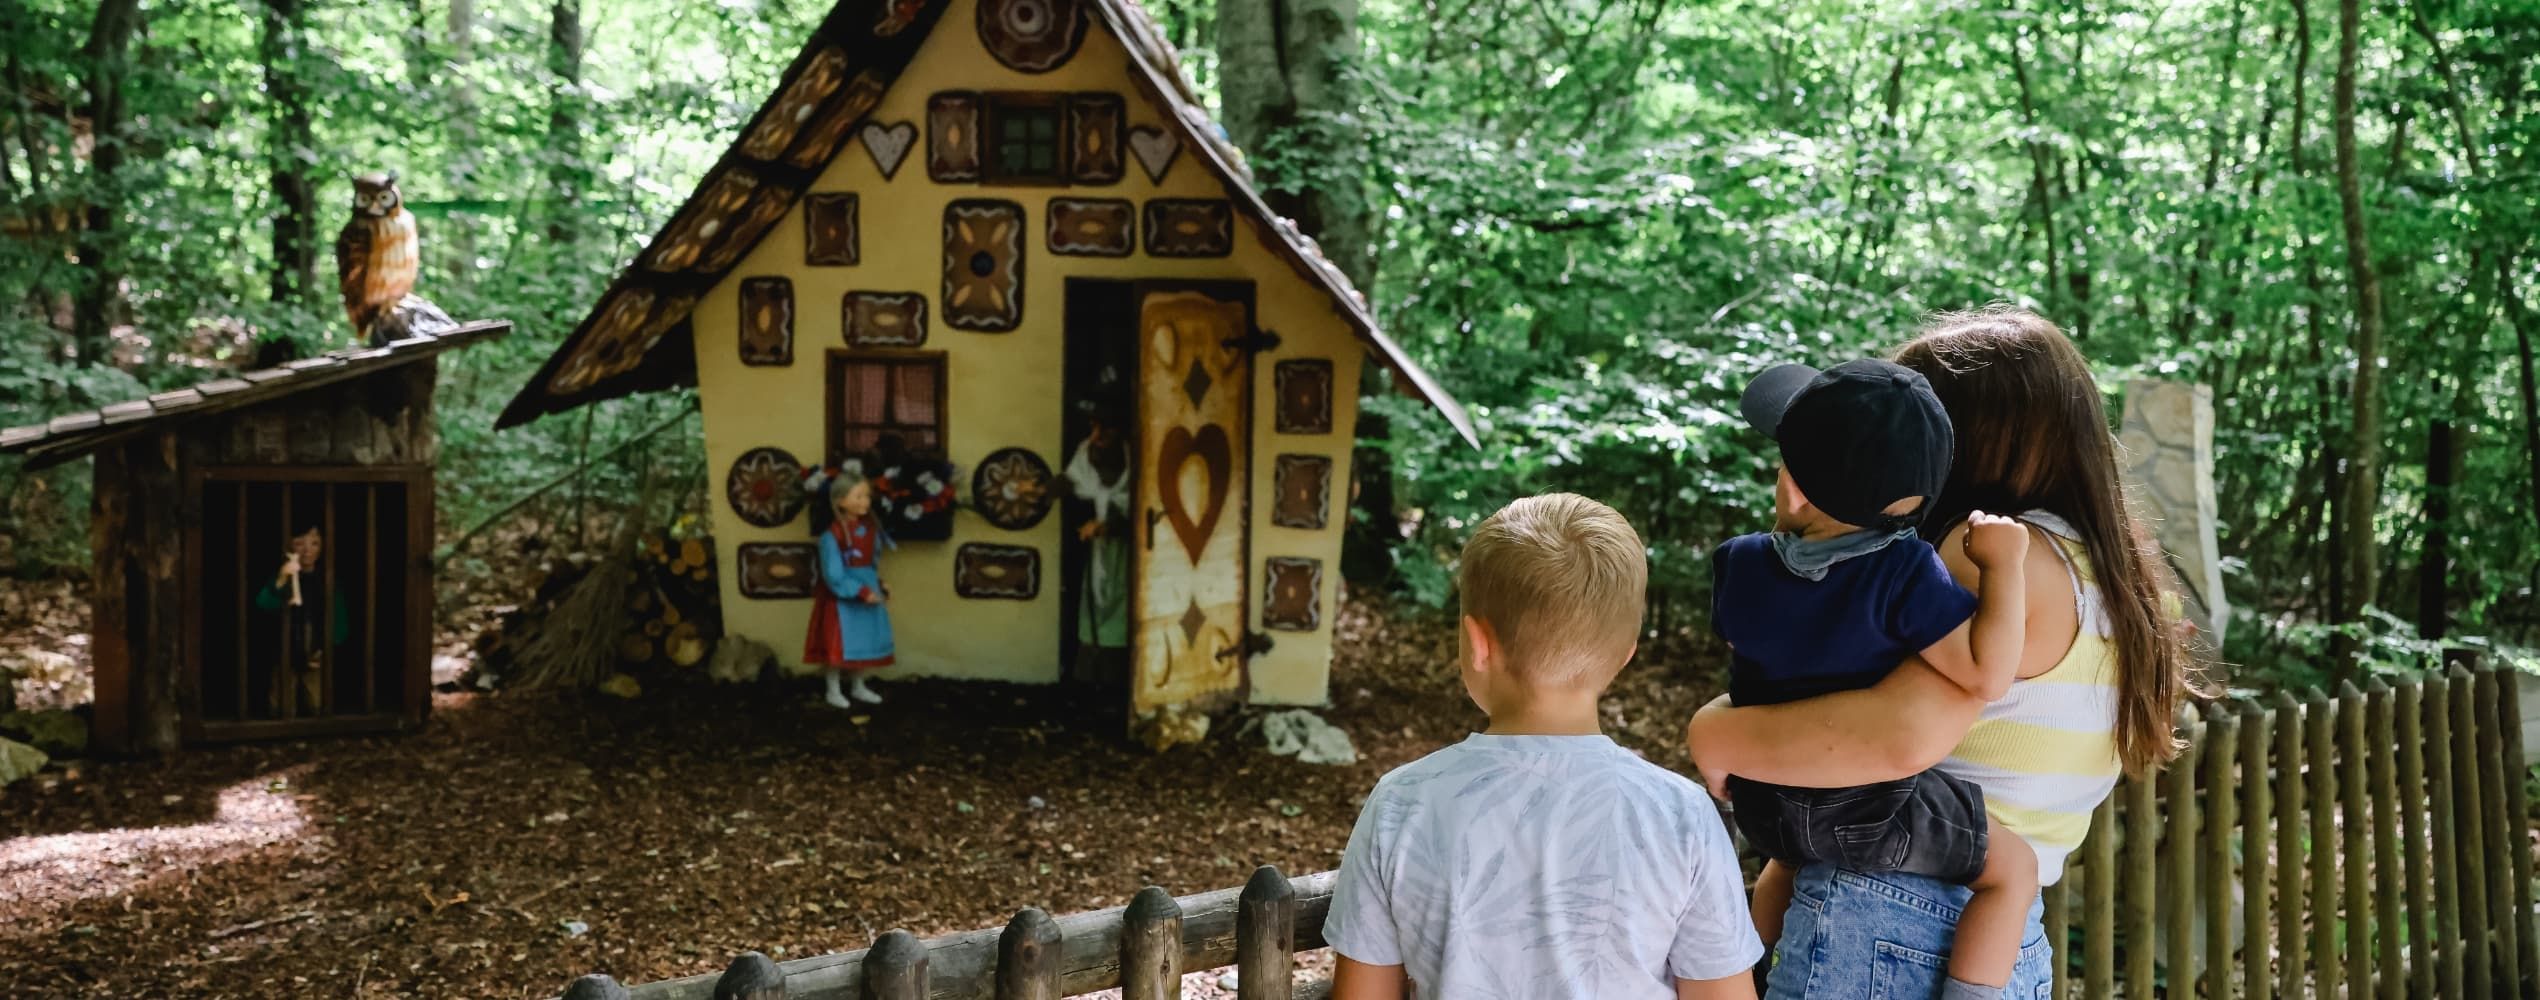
[849, 630]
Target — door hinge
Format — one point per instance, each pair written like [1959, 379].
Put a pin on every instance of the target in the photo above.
[1255, 342]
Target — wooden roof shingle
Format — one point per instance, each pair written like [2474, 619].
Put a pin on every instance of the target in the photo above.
[72, 435]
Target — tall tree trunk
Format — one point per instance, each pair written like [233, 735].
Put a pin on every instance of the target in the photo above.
[1281, 74]
[2519, 313]
[290, 143]
[2363, 474]
[565, 170]
[2434, 561]
[101, 244]
[2331, 570]
[456, 232]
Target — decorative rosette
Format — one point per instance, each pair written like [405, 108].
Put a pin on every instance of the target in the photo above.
[764, 487]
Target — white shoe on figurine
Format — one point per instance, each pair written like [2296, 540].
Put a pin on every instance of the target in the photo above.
[863, 693]
[835, 697]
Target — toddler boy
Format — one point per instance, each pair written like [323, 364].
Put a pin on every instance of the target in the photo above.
[1538, 858]
[1841, 592]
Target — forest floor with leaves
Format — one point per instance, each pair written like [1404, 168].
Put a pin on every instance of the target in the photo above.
[518, 841]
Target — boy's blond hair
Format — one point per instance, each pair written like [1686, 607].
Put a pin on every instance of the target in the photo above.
[1562, 581]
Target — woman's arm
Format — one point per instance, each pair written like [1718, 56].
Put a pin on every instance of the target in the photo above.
[1896, 728]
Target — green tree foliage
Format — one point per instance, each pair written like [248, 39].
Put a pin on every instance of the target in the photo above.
[1593, 219]
[1597, 218]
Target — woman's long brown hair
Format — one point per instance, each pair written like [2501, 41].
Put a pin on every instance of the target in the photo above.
[2033, 435]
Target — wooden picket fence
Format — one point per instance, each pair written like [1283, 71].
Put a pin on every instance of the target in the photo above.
[2370, 845]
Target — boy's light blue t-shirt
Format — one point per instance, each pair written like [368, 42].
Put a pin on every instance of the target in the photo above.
[1542, 866]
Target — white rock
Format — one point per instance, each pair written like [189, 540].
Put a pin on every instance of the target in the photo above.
[1304, 735]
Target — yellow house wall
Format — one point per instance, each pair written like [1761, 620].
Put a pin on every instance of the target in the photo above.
[1004, 388]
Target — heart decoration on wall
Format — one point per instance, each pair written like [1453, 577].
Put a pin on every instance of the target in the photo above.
[1155, 149]
[889, 145]
[1179, 447]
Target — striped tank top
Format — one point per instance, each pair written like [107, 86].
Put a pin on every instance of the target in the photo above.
[2046, 753]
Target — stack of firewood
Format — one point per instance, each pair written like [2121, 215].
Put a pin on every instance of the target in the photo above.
[651, 608]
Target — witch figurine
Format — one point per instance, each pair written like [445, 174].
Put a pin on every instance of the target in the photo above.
[1097, 479]
[850, 631]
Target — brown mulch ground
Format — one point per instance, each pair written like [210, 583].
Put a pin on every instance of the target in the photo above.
[516, 841]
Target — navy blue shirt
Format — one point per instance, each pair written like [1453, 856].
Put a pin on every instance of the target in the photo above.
[1798, 638]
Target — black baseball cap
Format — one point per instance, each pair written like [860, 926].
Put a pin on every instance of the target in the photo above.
[1857, 437]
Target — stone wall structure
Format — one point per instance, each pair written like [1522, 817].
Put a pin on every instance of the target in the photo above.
[2167, 438]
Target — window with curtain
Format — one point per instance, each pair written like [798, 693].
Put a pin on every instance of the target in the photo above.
[874, 395]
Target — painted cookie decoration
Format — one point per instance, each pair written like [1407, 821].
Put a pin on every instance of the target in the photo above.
[1031, 36]
[1006, 572]
[1011, 488]
[983, 265]
[765, 487]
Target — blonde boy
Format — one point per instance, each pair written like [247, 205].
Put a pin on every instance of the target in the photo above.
[1538, 858]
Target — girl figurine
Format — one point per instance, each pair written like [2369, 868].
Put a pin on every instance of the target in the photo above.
[850, 629]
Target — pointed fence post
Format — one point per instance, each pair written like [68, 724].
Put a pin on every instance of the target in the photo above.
[2450, 968]
[2292, 898]
[595, 987]
[2470, 824]
[1027, 957]
[2257, 872]
[2517, 813]
[752, 976]
[2178, 843]
[2409, 710]
[2381, 743]
[1151, 947]
[1265, 937]
[2507, 834]
[895, 968]
[2222, 819]
[2319, 723]
[2354, 818]
[2099, 902]
[2142, 873]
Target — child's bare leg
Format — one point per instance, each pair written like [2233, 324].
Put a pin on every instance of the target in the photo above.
[1772, 901]
[1989, 930]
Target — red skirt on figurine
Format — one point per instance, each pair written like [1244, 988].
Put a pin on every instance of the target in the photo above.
[847, 632]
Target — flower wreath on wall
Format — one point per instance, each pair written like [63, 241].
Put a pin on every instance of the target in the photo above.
[912, 494]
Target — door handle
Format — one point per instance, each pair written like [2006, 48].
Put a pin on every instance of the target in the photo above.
[1154, 514]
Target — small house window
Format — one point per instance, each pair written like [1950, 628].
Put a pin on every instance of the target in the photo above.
[1024, 138]
[875, 395]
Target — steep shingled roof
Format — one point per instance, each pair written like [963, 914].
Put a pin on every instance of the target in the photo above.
[639, 336]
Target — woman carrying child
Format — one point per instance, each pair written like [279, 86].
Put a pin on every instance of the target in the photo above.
[2101, 671]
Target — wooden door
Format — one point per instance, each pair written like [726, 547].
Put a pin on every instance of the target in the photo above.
[1194, 457]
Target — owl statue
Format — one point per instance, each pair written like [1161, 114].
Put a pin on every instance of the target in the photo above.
[376, 254]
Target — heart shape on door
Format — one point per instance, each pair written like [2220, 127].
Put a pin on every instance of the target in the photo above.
[889, 144]
[1210, 446]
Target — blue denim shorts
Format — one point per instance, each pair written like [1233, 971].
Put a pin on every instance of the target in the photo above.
[1886, 936]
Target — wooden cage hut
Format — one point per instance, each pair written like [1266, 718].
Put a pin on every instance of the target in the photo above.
[199, 492]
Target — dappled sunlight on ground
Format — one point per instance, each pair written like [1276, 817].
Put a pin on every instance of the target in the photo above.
[45, 872]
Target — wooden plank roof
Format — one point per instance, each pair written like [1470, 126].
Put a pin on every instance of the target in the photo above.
[638, 336]
[72, 435]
